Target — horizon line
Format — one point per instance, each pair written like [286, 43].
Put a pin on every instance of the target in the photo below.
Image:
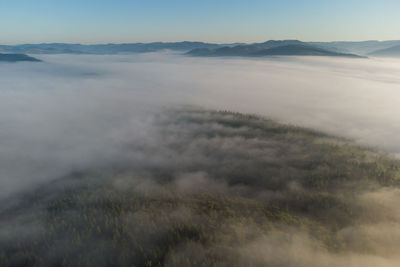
[192, 41]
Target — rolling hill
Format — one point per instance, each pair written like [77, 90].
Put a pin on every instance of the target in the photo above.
[266, 49]
[17, 58]
[393, 51]
[360, 48]
[225, 189]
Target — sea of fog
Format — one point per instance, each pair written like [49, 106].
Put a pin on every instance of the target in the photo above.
[73, 112]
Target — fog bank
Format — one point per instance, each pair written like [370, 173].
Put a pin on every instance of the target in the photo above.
[77, 111]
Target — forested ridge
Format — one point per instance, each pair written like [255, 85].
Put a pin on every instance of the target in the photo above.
[217, 189]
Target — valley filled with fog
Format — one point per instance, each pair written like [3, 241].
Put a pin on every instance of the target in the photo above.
[75, 110]
[160, 123]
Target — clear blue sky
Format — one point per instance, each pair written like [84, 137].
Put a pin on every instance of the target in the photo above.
[103, 21]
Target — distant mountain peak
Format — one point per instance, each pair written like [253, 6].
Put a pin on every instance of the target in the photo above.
[282, 42]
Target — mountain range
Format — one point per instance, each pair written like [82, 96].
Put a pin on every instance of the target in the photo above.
[281, 49]
[272, 47]
[61, 48]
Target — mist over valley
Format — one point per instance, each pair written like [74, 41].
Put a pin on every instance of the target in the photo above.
[160, 159]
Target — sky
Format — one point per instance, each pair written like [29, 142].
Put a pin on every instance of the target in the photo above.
[220, 21]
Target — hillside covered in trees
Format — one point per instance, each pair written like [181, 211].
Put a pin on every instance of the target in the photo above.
[17, 58]
[216, 189]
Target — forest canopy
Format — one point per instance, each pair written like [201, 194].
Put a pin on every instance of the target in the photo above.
[215, 188]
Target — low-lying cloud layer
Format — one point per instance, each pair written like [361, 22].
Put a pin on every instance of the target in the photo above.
[73, 110]
[111, 116]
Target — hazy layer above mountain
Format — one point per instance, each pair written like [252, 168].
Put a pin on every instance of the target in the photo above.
[393, 51]
[267, 49]
[16, 58]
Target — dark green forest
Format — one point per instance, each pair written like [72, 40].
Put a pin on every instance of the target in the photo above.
[215, 188]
